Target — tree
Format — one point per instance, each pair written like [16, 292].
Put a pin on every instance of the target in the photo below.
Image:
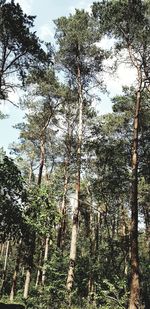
[129, 25]
[20, 48]
[38, 128]
[79, 58]
[68, 123]
[12, 199]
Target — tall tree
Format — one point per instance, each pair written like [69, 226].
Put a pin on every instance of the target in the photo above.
[68, 122]
[128, 23]
[79, 58]
[42, 103]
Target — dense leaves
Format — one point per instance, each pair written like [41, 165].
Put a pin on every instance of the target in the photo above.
[12, 199]
[20, 48]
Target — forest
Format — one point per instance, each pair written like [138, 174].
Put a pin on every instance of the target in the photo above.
[75, 191]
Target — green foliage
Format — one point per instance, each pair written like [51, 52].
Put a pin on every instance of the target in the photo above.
[127, 22]
[12, 198]
[19, 46]
[123, 18]
[76, 47]
[113, 295]
[41, 212]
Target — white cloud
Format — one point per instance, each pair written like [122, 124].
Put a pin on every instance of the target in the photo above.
[26, 5]
[105, 43]
[45, 32]
[125, 74]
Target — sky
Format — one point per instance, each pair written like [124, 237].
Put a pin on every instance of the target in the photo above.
[46, 11]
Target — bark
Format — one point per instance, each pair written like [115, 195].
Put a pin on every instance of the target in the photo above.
[31, 250]
[42, 144]
[27, 283]
[30, 172]
[2, 249]
[5, 268]
[62, 226]
[134, 301]
[123, 232]
[97, 229]
[14, 283]
[73, 247]
[45, 260]
[39, 273]
[94, 247]
[146, 212]
[42, 155]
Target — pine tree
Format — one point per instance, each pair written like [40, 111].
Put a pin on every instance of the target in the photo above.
[79, 58]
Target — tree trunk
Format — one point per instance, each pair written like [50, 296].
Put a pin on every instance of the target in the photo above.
[42, 155]
[27, 283]
[2, 248]
[31, 250]
[13, 288]
[94, 247]
[4, 269]
[134, 301]
[146, 212]
[62, 226]
[70, 277]
[39, 272]
[30, 172]
[45, 259]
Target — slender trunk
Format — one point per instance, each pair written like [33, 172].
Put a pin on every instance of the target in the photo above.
[94, 244]
[45, 260]
[30, 171]
[40, 259]
[42, 158]
[42, 155]
[46, 174]
[39, 272]
[146, 212]
[14, 283]
[70, 277]
[31, 250]
[27, 283]
[62, 226]
[97, 228]
[123, 232]
[5, 267]
[2, 249]
[135, 284]
[38, 277]
[42, 161]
